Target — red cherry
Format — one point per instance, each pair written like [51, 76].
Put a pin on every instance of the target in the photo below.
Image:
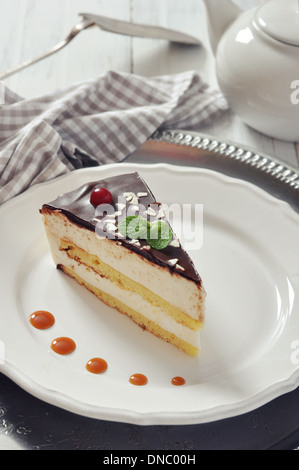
[100, 196]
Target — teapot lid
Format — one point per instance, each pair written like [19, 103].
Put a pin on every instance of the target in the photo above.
[280, 20]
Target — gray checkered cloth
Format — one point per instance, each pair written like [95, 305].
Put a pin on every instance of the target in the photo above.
[93, 123]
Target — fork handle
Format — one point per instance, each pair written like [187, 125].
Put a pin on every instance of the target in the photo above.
[74, 32]
[26, 64]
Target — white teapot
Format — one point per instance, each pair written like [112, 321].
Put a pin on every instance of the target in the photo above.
[257, 63]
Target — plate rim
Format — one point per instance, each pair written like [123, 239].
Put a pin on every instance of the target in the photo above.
[230, 150]
[149, 418]
[144, 418]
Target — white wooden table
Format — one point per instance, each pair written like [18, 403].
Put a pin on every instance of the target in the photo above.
[31, 27]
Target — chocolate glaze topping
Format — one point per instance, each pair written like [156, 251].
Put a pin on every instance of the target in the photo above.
[77, 207]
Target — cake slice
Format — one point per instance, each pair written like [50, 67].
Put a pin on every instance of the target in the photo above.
[113, 237]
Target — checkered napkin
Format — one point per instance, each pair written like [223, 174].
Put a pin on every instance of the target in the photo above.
[93, 123]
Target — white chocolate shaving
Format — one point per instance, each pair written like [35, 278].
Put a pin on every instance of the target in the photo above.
[175, 243]
[172, 262]
[131, 198]
[180, 267]
[160, 214]
[150, 211]
[146, 247]
[111, 227]
[135, 242]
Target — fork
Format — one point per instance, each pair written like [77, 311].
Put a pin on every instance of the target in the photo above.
[114, 26]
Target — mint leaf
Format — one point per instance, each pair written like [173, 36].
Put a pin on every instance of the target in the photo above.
[134, 227]
[159, 235]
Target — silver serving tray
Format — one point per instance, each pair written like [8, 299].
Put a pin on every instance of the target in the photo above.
[195, 149]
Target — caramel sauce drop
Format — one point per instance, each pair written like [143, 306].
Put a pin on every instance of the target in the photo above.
[63, 346]
[42, 320]
[178, 381]
[96, 365]
[138, 379]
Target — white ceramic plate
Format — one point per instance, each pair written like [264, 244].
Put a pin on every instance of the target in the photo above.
[250, 344]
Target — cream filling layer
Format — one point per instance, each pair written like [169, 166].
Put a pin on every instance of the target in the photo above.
[173, 288]
[132, 300]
